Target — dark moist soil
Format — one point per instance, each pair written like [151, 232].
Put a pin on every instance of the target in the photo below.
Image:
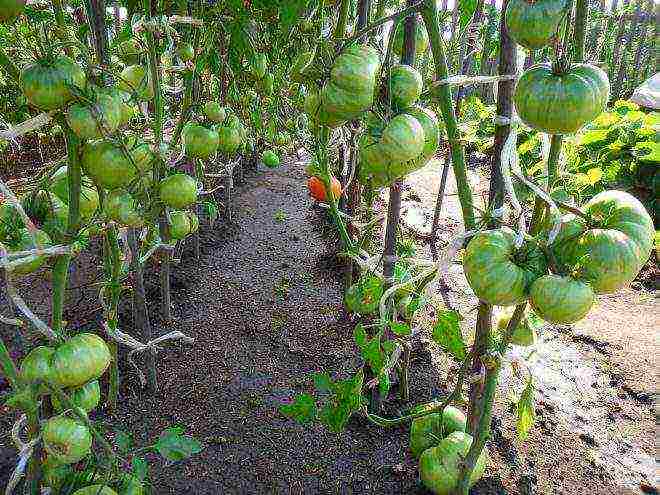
[264, 305]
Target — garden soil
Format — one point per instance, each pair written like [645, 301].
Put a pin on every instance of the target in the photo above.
[264, 305]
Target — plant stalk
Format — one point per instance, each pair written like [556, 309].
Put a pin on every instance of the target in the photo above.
[61, 266]
[443, 95]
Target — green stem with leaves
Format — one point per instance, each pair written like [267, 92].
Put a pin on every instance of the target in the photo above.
[112, 262]
[340, 28]
[61, 32]
[443, 95]
[324, 165]
[10, 67]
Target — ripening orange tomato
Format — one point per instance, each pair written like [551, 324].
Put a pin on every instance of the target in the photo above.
[317, 189]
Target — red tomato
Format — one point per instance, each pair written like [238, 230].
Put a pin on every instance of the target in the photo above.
[317, 189]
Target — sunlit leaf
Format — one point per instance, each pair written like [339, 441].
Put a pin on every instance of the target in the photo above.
[525, 411]
[400, 329]
[447, 334]
[302, 409]
[322, 382]
[175, 446]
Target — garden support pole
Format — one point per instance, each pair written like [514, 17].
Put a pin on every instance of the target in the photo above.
[111, 258]
[166, 304]
[353, 193]
[394, 204]
[580, 32]
[96, 17]
[443, 96]
[628, 49]
[482, 390]
[140, 307]
[468, 47]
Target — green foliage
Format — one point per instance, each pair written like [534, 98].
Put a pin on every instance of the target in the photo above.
[339, 401]
[173, 445]
[620, 149]
[447, 334]
[525, 410]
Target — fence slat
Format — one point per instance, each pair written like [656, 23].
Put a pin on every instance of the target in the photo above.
[632, 34]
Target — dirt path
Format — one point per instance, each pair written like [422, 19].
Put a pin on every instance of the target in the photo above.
[264, 304]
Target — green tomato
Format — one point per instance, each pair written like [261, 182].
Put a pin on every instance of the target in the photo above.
[609, 252]
[108, 166]
[95, 121]
[440, 466]
[66, 440]
[534, 24]
[215, 112]
[36, 367]
[27, 241]
[427, 431]
[178, 191]
[559, 299]
[405, 86]
[86, 397]
[121, 207]
[47, 83]
[497, 271]
[135, 79]
[179, 225]
[200, 142]
[270, 159]
[80, 359]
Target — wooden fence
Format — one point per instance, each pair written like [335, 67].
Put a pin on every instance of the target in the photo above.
[621, 39]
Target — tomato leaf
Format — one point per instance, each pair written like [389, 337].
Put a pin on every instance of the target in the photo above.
[123, 441]
[140, 468]
[525, 411]
[373, 354]
[346, 400]
[360, 335]
[447, 334]
[175, 446]
[303, 409]
[322, 382]
[400, 329]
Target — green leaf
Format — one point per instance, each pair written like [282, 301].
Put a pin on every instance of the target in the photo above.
[303, 409]
[525, 411]
[651, 151]
[140, 468]
[360, 335]
[175, 446]
[466, 9]
[210, 209]
[372, 354]
[346, 400]
[123, 441]
[594, 136]
[400, 329]
[384, 384]
[594, 175]
[447, 334]
[322, 382]
[388, 347]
